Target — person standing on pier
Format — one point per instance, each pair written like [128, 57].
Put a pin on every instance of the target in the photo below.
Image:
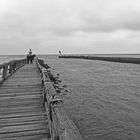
[27, 58]
[30, 57]
[60, 53]
[30, 52]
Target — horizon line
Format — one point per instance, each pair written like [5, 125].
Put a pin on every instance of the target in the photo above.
[80, 54]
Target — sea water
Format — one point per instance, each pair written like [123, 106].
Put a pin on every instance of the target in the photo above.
[102, 98]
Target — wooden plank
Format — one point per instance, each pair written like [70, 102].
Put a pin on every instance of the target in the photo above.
[34, 136]
[24, 120]
[21, 99]
[14, 103]
[18, 106]
[19, 123]
[20, 90]
[21, 95]
[22, 113]
[33, 110]
[26, 88]
[20, 128]
[24, 133]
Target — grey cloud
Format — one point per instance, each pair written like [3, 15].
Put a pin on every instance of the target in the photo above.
[74, 22]
[50, 16]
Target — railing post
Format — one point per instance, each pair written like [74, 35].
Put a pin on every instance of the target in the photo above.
[54, 129]
[10, 68]
[14, 66]
[5, 69]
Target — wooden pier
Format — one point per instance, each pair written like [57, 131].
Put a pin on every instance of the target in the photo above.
[30, 108]
[22, 113]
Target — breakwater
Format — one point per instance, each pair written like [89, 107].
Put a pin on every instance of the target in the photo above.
[105, 58]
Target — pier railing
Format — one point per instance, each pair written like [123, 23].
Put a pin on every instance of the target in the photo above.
[60, 125]
[7, 69]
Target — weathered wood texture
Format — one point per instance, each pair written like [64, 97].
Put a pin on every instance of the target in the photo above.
[22, 112]
[7, 69]
[60, 125]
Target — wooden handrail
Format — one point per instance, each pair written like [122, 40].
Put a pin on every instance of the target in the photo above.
[60, 125]
[10, 67]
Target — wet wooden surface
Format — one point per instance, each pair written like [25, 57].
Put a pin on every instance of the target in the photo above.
[22, 113]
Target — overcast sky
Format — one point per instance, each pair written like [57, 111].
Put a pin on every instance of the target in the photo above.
[72, 26]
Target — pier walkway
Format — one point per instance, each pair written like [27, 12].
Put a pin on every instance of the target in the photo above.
[22, 113]
[30, 105]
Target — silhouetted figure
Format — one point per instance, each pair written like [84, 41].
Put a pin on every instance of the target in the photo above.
[30, 52]
[30, 57]
[60, 52]
[33, 56]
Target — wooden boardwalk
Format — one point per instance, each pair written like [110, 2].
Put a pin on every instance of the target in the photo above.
[22, 113]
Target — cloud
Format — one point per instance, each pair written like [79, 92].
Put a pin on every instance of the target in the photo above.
[66, 15]
[65, 24]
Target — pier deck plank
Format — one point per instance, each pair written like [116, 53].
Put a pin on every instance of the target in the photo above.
[22, 113]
